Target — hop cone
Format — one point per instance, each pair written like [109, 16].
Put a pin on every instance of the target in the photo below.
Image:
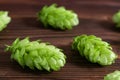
[36, 54]
[94, 49]
[58, 18]
[116, 19]
[113, 76]
[4, 19]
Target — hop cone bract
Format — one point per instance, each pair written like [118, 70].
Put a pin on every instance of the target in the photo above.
[94, 49]
[58, 17]
[4, 19]
[113, 76]
[37, 54]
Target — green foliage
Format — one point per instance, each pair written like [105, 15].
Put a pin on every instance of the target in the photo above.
[113, 76]
[58, 17]
[37, 54]
[94, 49]
[116, 19]
[4, 19]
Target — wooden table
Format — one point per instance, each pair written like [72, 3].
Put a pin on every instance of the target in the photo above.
[95, 18]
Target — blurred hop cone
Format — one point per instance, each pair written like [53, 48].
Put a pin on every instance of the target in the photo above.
[4, 19]
[113, 76]
[58, 18]
[116, 19]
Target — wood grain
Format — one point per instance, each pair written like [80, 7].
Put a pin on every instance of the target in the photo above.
[95, 18]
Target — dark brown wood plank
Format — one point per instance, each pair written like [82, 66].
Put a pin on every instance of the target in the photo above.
[95, 18]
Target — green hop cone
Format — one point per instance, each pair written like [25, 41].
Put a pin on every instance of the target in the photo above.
[4, 19]
[94, 49]
[36, 54]
[113, 76]
[58, 18]
[116, 19]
